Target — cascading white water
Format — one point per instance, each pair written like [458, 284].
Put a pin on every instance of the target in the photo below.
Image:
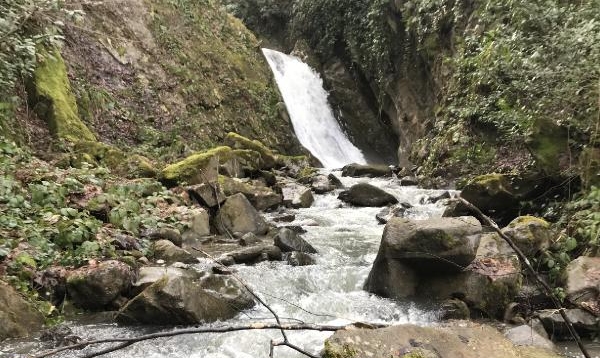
[311, 115]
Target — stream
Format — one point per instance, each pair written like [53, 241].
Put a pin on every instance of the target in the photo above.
[347, 239]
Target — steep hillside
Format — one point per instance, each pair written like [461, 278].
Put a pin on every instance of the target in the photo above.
[165, 78]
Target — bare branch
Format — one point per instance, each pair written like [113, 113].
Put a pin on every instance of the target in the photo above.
[547, 289]
[127, 341]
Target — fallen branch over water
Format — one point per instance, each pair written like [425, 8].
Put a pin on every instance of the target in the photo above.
[540, 280]
[127, 341]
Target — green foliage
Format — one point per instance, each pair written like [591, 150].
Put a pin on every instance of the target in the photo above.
[362, 28]
[534, 61]
[25, 24]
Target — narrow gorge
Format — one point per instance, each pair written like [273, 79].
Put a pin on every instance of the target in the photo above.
[223, 165]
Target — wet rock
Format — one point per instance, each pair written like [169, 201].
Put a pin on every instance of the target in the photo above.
[288, 240]
[530, 234]
[454, 309]
[409, 181]
[287, 218]
[297, 228]
[207, 195]
[582, 283]
[335, 181]
[453, 339]
[524, 335]
[178, 296]
[52, 284]
[237, 214]
[164, 233]
[94, 287]
[252, 255]
[320, 184]
[249, 239]
[370, 171]
[297, 196]
[387, 213]
[297, 258]
[261, 197]
[198, 228]
[435, 199]
[18, 318]
[364, 194]
[167, 251]
[59, 336]
[585, 323]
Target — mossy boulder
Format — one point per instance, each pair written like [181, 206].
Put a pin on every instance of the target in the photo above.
[530, 234]
[200, 167]
[50, 92]
[18, 318]
[364, 194]
[589, 164]
[119, 162]
[492, 194]
[269, 158]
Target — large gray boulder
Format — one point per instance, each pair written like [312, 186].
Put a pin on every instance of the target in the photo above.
[238, 215]
[167, 251]
[453, 339]
[288, 240]
[321, 184]
[18, 318]
[581, 281]
[371, 171]
[179, 296]
[440, 259]
[260, 196]
[207, 195]
[94, 287]
[296, 195]
[364, 194]
[431, 246]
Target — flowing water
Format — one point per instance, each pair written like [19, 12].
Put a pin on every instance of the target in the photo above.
[311, 115]
[347, 239]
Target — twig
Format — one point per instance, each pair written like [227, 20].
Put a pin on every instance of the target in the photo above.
[224, 329]
[548, 290]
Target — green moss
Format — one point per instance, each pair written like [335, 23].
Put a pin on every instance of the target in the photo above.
[335, 351]
[269, 158]
[528, 219]
[128, 165]
[197, 168]
[55, 102]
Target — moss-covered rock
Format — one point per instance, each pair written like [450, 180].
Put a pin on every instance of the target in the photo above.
[54, 102]
[201, 167]
[530, 234]
[589, 164]
[119, 162]
[269, 158]
[492, 194]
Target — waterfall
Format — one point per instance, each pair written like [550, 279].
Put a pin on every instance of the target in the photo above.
[311, 115]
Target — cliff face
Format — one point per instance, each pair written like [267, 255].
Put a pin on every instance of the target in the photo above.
[466, 87]
[171, 77]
